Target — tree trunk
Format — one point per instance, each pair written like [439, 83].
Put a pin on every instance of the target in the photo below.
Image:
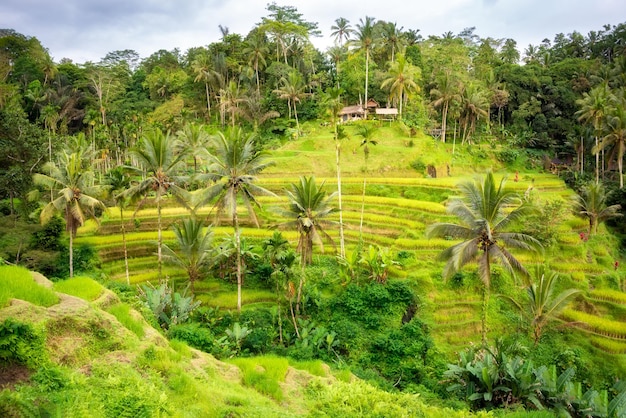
[159, 234]
[124, 244]
[444, 118]
[238, 257]
[342, 250]
[71, 254]
[367, 65]
[208, 101]
[597, 162]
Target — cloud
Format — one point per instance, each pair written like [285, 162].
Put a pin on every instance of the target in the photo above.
[88, 29]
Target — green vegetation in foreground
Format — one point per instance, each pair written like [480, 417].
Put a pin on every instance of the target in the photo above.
[136, 375]
[17, 283]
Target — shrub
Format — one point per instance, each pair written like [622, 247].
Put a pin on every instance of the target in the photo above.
[21, 343]
[418, 165]
[48, 238]
[193, 334]
[169, 307]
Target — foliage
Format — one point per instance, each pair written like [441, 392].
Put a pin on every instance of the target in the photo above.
[169, 307]
[193, 334]
[21, 343]
[590, 204]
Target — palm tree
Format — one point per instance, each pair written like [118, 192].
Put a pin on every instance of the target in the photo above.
[591, 204]
[593, 109]
[160, 165]
[474, 105]
[119, 182]
[401, 81]
[541, 305]
[232, 168]
[331, 100]
[309, 206]
[485, 211]
[615, 133]
[365, 40]
[230, 99]
[254, 112]
[341, 30]
[444, 95]
[256, 51]
[392, 38]
[77, 194]
[195, 253]
[281, 258]
[192, 139]
[366, 131]
[203, 67]
[292, 89]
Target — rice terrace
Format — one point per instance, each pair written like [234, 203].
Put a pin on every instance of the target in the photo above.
[399, 226]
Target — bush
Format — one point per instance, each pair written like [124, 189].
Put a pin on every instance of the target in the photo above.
[418, 165]
[20, 343]
[193, 334]
[48, 238]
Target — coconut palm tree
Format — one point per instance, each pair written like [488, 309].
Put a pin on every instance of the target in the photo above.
[331, 101]
[232, 170]
[474, 105]
[256, 50]
[341, 30]
[541, 305]
[593, 110]
[444, 95]
[309, 206]
[192, 139]
[401, 81]
[77, 193]
[485, 211]
[292, 89]
[365, 39]
[119, 181]
[615, 133]
[591, 204]
[367, 131]
[195, 252]
[160, 165]
[392, 38]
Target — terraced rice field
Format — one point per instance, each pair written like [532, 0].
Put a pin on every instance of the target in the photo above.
[391, 212]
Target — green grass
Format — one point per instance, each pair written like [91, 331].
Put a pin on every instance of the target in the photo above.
[123, 314]
[17, 283]
[596, 324]
[83, 287]
[264, 374]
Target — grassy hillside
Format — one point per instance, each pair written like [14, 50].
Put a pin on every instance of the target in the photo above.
[81, 357]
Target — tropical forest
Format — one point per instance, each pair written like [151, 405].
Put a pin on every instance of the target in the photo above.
[397, 226]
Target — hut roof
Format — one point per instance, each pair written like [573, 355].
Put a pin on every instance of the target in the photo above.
[352, 110]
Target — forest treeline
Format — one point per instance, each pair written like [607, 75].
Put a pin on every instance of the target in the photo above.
[562, 99]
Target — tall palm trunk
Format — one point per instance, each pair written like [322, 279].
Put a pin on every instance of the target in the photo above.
[238, 256]
[124, 244]
[71, 254]
[159, 234]
[597, 162]
[444, 118]
[342, 250]
[367, 67]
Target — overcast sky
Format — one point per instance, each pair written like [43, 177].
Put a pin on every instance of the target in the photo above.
[86, 30]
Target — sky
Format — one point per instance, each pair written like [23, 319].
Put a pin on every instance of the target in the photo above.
[86, 30]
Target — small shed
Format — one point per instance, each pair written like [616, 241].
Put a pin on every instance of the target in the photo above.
[387, 113]
[349, 113]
